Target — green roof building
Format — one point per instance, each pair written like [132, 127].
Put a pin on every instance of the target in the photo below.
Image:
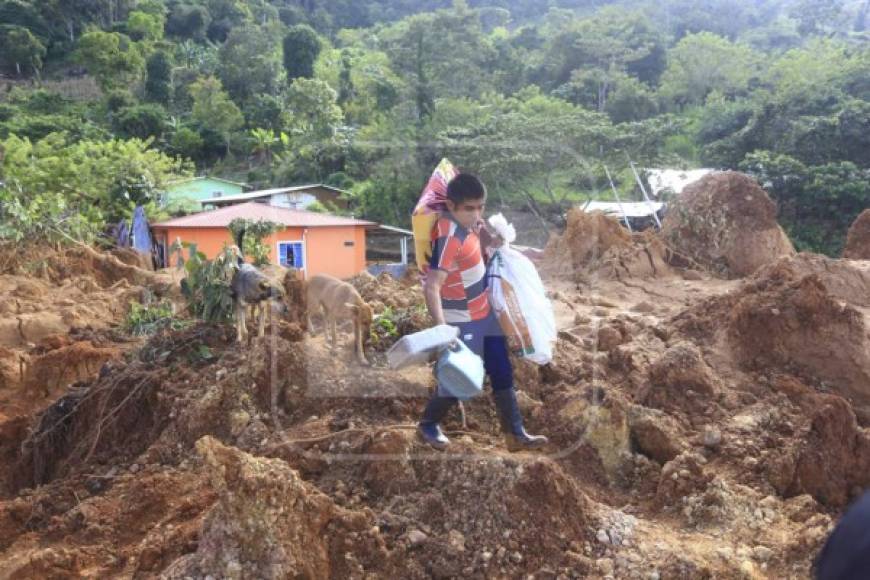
[192, 191]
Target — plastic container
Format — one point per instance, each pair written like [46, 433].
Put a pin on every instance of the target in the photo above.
[419, 347]
[459, 372]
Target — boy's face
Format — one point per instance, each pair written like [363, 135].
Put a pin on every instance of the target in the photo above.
[468, 211]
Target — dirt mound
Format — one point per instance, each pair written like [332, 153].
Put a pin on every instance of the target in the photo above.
[250, 533]
[830, 461]
[685, 440]
[384, 291]
[133, 257]
[726, 223]
[295, 297]
[597, 245]
[858, 238]
[50, 372]
[680, 379]
[800, 326]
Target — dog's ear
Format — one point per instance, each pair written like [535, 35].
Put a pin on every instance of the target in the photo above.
[353, 307]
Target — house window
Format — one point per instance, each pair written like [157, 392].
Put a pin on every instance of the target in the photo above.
[290, 254]
[348, 244]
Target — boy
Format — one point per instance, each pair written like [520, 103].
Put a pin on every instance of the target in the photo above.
[455, 291]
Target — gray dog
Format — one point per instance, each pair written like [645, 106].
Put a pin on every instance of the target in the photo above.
[250, 287]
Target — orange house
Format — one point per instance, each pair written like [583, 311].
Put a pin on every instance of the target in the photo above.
[315, 243]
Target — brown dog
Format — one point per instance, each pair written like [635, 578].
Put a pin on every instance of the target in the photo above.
[339, 301]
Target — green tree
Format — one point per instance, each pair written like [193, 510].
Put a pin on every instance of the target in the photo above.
[188, 21]
[263, 143]
[25, 15]
[818, 16]
[301, 47]
[313, 106]
[79, 187]
[213, 108]
[249, 63]
[315, 142]
[145, 26]
[817, 203]
[702, 63]
[187, 143]
[249, 234]
[442, 54]
[141, 121]
[226, 15]
[346, 89]
[158, 78]
[20, 50]
[601, 49]
[111, 57]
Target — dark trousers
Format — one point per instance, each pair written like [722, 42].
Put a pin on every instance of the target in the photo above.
[486, 339]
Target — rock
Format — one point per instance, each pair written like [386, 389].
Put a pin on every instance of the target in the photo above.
[747, 568]
[416, 537]
[762, 553]
[609, 338]
[692, 275]
[581, 319]
[672, 487]
[643, 307]
[603, 537]
[655, 434]
[605, 566]
[456, 540]
[516, 557]
[679, 370]
[712, 437]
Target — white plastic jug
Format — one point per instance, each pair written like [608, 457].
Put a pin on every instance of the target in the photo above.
[419, 347]
[459, 372]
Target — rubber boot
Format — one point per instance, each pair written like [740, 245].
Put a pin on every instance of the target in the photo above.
[428, 427]
[515, 436]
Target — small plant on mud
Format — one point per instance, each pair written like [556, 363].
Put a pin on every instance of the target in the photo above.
[207, 285]
[392, 324]
[384, 327]
[148, 319]
[249, 234]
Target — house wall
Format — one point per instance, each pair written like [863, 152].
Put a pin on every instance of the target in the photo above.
[294, 200]
[198, 189]
[325, 249]
[327, 253]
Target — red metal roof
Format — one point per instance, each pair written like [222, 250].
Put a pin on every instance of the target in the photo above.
[221, 218]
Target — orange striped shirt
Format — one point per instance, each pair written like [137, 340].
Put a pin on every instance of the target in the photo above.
[456, 250]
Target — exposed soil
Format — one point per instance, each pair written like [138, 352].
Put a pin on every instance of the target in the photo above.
[700, 427]
[858, 238]
[727, 223]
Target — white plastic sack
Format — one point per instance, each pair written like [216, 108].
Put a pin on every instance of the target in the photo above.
[520, 300]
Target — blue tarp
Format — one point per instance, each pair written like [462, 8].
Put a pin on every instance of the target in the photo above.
[141, 233]
[122, 234]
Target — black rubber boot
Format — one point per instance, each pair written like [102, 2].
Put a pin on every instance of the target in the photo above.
[515, 436]
[428, 427]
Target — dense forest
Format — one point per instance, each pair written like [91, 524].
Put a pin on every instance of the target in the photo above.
[104, 101]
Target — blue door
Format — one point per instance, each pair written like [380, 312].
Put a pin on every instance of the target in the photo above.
[290, 255]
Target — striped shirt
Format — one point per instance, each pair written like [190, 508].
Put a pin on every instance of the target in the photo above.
[456, 250]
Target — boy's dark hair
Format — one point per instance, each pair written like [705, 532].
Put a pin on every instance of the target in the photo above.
[465, 186]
